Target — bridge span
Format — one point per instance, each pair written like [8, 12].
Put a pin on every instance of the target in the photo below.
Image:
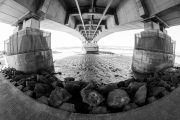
[29, 48]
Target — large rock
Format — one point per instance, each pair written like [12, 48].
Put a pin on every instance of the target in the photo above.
[14, 83]
[105, 89]
[18, 77]
[29, 93]
[175, 80]
[20, 87]
[151, 99]
[42, 89]
[80, 106]
[72, 87]
[121, 84]
[31, 84]
[67, 107]
[140, 96]
[164, 84]
[118, 98]
[91, 97]
[164, 93]
[155, 91]
[99, 110]
[22, 82]
[130, 106]
[43, 79]
[68, 79]
[58, 96]
[57, 84]
[134, 86]
[43, 99]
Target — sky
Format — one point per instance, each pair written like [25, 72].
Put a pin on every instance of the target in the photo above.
[62, 39]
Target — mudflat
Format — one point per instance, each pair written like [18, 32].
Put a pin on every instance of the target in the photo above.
[100, 68]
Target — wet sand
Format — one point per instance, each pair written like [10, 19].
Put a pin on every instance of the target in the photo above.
[100, 68]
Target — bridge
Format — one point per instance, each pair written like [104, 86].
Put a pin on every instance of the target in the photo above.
[90, 20]
[29, 48]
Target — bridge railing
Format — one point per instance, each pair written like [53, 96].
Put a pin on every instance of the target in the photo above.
[27, 40]
[155, 41]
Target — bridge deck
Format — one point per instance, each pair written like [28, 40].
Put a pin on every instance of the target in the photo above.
[15, 105]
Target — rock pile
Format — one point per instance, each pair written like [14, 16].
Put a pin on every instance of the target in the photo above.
[83, 97]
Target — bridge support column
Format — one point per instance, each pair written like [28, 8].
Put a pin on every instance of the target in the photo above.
[154, 50]
[29, 48]
[91, 47]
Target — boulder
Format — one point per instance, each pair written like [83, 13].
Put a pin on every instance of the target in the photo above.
[118, 98]
[99, 110]
[134, 86]
[151, 79]
[57, 84]
[121, 84]
[155, 91]
[68, 79]
[43, 79]
[43, 99]
[164, 84]
[18, 77]
[72, 87]
[130, 106]
[13, 83]
[26, 89]
[20, 87]
[166, 77]
[58, 96]
[18, 72]
[29, 93]
[91, 97]
[171, 83]
[105, 89]
[42, 89]
[140, 96]
[127, 82]
[164, 93]
[80, 106]
[44, 73]
[175, 80]
[151, 99]
[67, 107]
[31, 84]
[172, 88]
[22, 82]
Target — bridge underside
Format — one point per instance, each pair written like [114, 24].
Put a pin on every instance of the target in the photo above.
[91, 20]
[29, 48]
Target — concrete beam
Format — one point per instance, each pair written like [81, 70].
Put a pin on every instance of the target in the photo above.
[98, 10]
[80, 13]
[105, 11]
[89, 31]
[90, 13]
[95, 21]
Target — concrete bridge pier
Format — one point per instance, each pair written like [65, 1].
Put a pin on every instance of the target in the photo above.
[91, 47]
[154, 50]
[29, 48]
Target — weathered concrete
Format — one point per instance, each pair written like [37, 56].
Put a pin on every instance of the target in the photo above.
[122, 14]
[32, 62]
[29, 49]
[150, 61]
[15, 105]
[154, 50]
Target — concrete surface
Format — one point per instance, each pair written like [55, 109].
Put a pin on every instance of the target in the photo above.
[15, 105]
[32, 62]
[150, 61]
[62, 15]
